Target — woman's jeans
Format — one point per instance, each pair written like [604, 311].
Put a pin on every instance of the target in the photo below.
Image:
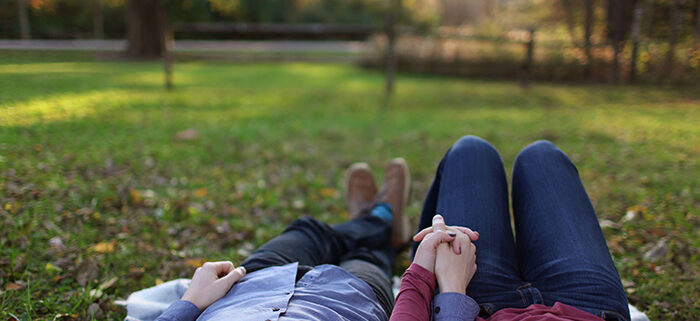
[558, 254]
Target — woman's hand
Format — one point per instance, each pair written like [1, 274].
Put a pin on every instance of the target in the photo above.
[211, 282]
[439, 224]
[425, 254]
[454, 271]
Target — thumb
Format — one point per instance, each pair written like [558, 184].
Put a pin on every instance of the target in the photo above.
[232, 277]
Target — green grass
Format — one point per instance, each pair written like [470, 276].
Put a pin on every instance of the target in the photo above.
[88, 154]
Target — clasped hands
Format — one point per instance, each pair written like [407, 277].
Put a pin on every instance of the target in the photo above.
[449, 253]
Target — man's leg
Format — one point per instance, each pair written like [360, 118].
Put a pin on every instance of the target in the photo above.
[560, 246]
[371, 267]
[470, 189]
[312, 243]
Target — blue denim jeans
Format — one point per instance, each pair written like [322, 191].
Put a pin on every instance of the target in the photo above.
[558, 253]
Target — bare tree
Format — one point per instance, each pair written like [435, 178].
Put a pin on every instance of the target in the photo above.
[97, 20]
[390, 59]
[146, 24]
[616, 33]
[23, 19]
[696, 35]
[636, 30]
[570, 21]
[674, 21]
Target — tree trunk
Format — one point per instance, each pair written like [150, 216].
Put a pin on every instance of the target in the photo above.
[146, 24]
[569, 17]
[97, 20]
[636, 30]
[24, 30]
[696, 35]
[672, 37]
[390, 59]
[588, 32]
[616, 34]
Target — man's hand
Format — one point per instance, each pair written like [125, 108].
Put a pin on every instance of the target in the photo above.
[211, 282]
[454, 271]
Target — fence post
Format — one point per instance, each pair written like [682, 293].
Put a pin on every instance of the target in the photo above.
[527, 64]
[168, 57]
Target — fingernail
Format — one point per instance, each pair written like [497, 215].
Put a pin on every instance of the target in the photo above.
[453, 234]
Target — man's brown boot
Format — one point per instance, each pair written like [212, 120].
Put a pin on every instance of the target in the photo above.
[397, 184]
[360, 189]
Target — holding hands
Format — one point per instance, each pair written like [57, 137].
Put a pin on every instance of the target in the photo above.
[448, 252]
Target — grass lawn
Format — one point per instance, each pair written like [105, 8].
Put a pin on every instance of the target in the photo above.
[99, 198]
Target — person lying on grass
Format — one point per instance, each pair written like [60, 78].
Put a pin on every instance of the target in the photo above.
[557, 267]
[313, 271]
[560, 268]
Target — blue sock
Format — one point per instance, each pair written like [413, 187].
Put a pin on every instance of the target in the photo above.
[383, 211]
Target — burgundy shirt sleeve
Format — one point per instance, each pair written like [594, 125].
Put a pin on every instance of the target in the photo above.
[413, 300]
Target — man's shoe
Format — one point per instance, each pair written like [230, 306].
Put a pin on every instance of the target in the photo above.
[360, 189]
[397, 185]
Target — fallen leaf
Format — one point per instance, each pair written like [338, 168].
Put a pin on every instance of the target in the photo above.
[86, 272]
[95, 293]
[329, 192]
[159, 281]
[200, 192]
[104, 247]
[135, 196]
[52, 268]
[298, 204]
[106, 284]
[634, 212]
[136, 272]
[658, 251]
[95, 311]
[57, 244]
[187, 134]
[61, 316]
[17, 285]
[195, 263]
[609, 224]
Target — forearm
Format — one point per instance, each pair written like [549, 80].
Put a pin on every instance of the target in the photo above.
[180, 311]
[413, 301]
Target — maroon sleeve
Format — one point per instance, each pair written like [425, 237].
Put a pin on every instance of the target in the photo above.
[413, 301]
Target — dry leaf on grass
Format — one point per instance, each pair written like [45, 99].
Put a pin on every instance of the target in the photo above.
[195, 263]
[17, 285]
[104, 247]
[187, 134]
[86, 272]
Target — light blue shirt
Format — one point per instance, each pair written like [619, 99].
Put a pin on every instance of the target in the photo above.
[325, 293]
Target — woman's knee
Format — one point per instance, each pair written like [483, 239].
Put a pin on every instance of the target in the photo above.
[472, 146]
[541, 150]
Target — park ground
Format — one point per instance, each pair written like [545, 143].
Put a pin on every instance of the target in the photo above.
[110, 184]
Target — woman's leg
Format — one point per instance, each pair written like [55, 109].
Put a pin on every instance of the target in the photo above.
[561, 248]
[470, 189]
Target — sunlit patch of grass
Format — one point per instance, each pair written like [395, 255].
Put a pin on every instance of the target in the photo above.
[63, 107]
